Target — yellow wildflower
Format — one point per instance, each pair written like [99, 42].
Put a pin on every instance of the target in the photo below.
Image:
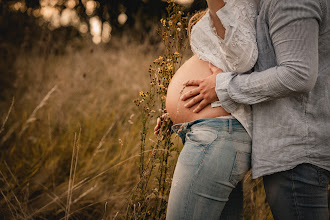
[163, 22]
[169, 66]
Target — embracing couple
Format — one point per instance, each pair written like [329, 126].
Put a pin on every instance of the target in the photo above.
[255, 94]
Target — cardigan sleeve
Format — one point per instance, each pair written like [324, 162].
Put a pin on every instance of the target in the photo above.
[294, 29]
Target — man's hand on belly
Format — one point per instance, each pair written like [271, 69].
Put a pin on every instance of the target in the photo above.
[204, 94]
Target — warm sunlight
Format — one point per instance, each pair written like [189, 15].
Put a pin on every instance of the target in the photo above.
[137, 109]
[96, 25]
[184, 2]
[51, 12]
[90, 7]
[106, 32]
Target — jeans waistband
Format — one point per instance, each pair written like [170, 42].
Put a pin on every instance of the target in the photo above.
[218, 124]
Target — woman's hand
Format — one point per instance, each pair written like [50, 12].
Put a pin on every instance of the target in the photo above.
[159, 122]
[163, 126]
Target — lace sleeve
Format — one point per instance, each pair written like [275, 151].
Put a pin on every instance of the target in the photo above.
[238, 51]
[239, 45]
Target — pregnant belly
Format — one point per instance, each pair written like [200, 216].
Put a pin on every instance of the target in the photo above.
[194, 68]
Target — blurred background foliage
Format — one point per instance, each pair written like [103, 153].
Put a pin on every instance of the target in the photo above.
[50, 26]
[98, 19]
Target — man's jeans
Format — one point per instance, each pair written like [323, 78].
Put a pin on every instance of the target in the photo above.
[214, 159]
[299, 193]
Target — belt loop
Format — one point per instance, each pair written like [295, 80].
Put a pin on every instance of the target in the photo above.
[230, 126]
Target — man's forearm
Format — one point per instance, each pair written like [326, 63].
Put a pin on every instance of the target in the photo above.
[295, 42]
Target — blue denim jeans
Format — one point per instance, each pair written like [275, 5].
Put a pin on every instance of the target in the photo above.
[299, 193]
[214, 159]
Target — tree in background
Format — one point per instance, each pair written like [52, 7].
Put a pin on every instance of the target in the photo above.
[52, 25]
[122, 15]
[129, 16]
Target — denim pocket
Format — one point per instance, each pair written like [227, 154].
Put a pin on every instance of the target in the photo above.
[241, 166]
[201, 136]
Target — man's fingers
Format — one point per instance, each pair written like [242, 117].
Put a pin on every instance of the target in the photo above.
[193, 101]
[201, 105]
[190, 94]
[193, 82]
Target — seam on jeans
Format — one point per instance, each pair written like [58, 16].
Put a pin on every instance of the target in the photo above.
[234, 167]
[190, 193]
[194, 179]
[294, 195]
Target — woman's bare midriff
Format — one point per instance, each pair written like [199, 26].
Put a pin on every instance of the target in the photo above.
[194, 68]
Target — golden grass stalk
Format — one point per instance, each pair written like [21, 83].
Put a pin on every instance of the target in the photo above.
[84, 194]
[9, 133]
[73, 169]
[32, 117]
[40, 158]
[7, 116]
[103, 140]
[82, 183]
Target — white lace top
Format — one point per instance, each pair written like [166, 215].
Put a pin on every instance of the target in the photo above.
[237, 52]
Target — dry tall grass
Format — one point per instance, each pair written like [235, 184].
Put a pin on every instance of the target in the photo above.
[69, 142]
[70, 136]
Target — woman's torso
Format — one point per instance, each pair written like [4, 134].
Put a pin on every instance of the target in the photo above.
[194, 68]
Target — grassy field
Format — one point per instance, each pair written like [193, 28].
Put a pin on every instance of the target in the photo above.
[72, 129]
[73, 142]
[71, 133]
